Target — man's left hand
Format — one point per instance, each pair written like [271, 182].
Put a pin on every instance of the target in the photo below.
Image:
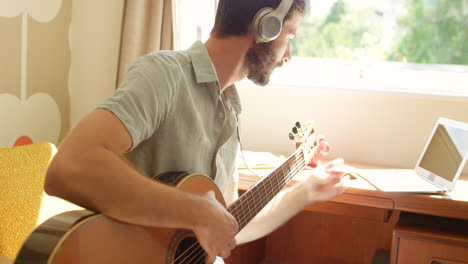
[327, 180]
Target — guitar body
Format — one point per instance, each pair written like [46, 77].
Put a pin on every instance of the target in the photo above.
[79, 237]
[100, 239]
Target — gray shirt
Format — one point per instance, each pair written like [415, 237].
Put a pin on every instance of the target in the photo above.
[171, 104]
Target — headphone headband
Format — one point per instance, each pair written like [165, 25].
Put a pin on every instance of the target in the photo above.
[283, 9]
[268, 22]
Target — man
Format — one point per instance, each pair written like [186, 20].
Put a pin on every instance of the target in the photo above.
[178, 111]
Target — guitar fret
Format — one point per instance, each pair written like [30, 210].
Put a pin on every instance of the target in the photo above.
[277, 180]
[292, 168]
[243, 212]
[236, 210]
[282, 170]
[256, 198]
[271, 184]
[240, 204]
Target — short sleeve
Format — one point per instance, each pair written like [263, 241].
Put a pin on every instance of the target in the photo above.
[142, 101]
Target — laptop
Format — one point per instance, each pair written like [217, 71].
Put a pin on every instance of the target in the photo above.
[438, 168]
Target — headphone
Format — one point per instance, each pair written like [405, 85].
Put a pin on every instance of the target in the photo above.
[268, 22]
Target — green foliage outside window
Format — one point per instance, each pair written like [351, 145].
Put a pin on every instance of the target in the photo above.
[436, 35]
[431, 31]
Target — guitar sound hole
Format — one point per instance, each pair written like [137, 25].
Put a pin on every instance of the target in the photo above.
[189, 251]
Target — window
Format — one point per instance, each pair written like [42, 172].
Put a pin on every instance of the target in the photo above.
[193, 20]
[414, 31]
[392, 45]
[397, 45]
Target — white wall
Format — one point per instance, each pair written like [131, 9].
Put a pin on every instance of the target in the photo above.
[95, 43]
[362, 126]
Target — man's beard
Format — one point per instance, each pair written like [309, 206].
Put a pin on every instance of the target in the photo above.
[260, 62]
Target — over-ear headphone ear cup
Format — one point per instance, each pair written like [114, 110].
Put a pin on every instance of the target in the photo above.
[266, 26]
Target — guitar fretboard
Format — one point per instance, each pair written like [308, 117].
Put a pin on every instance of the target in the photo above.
[257, 197]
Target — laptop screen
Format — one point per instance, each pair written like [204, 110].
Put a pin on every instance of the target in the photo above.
[446, 151]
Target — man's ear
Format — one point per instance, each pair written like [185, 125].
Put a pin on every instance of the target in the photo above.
[250, 34]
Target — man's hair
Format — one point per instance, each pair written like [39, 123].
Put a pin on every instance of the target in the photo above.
[233, 17]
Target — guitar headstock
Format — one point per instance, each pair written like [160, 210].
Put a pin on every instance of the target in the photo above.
[313, 147]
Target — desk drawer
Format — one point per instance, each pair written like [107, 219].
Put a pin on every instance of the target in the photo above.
[413, 250]
[430, 240]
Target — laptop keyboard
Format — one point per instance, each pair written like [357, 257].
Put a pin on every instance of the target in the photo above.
[398, 181]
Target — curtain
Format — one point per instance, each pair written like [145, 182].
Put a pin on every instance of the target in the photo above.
[147, 26]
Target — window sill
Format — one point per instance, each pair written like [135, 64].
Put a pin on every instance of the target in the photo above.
[388, 77]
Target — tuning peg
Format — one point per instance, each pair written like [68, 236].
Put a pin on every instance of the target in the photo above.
[298, 124]
[294, 130]
[291, 136]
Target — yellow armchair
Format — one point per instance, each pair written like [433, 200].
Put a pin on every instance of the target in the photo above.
[23, 203]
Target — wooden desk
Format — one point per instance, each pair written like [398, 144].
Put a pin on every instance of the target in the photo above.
[352, 226]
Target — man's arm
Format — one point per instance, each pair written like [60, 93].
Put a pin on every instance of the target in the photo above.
[88, 170]
[290, 201]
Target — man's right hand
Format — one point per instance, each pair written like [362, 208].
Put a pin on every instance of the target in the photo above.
[216, 229]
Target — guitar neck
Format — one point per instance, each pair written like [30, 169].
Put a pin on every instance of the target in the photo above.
[256, 198]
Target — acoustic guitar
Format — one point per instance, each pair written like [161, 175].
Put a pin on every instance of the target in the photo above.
[84, 236]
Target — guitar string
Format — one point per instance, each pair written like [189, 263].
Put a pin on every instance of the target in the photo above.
[255, 208]
[298, 151]
[195, 254]
[266, 195]
[199, 250]
[287, 178]
[197, 258]
[236, 209]
[290, 177]
[184, 253]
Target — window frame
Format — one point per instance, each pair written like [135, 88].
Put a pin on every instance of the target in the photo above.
[384, 76]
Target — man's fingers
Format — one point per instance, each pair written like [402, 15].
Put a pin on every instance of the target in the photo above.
[235, 228]
[225, 254]
[334, 182]
[341, 180]
[340, 170]
[343, 168]
[232, 244]
[339, 188]
[345, 178]
[209, 259]
[333, 163]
